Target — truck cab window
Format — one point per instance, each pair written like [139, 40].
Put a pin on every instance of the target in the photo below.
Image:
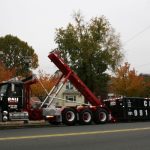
[15, 90]
[18, 91]
[3, 89]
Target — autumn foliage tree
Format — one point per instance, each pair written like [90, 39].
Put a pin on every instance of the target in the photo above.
[44, 80]
[127, 83]
[5, 73]
[147, 84]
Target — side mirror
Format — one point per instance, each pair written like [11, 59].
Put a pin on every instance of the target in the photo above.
[1, 95]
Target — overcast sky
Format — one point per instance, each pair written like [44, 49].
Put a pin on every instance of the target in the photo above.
[35, 21]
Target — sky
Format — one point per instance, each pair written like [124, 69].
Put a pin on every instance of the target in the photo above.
[36, 21]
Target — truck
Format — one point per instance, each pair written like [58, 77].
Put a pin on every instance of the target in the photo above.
[15, 102]
[14, 99]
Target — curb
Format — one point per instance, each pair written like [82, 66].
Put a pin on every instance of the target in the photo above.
[17, 125]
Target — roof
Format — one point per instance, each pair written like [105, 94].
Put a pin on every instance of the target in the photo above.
[8, 82]
[71, 92]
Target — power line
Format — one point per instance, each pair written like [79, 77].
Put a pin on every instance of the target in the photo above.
[136, 35]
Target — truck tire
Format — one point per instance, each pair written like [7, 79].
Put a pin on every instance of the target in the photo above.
[100, 116]
[85, 117]
[69, 116]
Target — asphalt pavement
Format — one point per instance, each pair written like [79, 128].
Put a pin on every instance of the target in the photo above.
[113, 136]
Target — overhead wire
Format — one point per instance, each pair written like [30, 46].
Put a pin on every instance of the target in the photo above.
[135, 36]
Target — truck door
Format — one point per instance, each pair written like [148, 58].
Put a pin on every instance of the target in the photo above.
[15, 97]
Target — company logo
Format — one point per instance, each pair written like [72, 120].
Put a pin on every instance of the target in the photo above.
[13, 100]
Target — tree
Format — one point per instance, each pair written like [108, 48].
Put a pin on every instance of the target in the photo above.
[147, 84]
[90, 49]
[5, 74]
[17, 54]
[127, 83]
[47, 80]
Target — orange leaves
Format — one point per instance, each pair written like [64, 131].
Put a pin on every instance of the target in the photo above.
[47, 81]
[5, 73]
[127, 83]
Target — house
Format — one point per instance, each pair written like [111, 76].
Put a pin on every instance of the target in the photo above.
[69, 96]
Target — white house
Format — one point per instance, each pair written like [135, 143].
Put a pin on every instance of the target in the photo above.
[69, 96]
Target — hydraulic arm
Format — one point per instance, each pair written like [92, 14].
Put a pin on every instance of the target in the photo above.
[74, 79]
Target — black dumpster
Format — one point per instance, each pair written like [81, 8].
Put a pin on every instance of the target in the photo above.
[129, 108]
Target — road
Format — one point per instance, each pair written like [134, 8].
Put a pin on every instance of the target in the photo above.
[118, 136]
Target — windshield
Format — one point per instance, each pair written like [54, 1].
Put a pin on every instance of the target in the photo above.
[3, 88]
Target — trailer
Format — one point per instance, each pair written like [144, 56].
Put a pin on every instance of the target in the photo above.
[96, 112]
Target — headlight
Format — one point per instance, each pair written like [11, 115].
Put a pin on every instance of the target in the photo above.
[5, 113]
[5, 118]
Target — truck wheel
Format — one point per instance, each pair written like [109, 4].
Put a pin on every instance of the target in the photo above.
[100, 116]
[69, 116]
[85, 117]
